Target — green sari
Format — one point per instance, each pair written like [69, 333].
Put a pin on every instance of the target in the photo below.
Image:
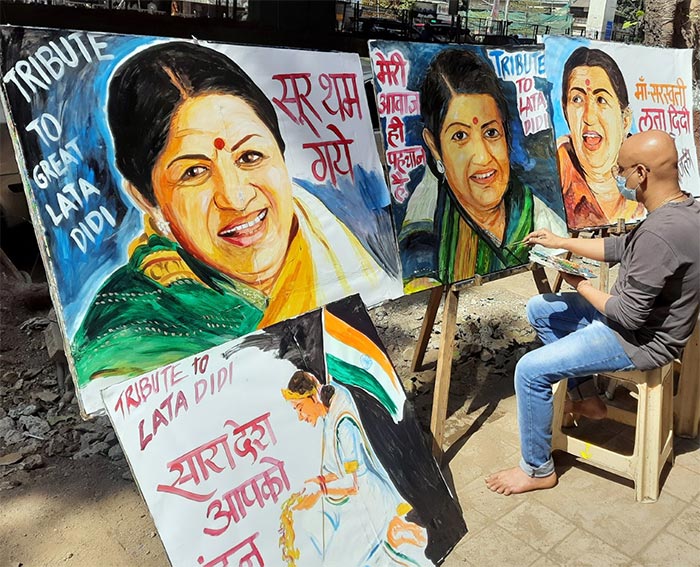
[136, 323]
[490, 255]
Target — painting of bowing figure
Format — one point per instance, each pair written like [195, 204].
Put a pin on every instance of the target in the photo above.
[352, 482]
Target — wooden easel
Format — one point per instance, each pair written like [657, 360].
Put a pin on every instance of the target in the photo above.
[447, 338]
[604, 274]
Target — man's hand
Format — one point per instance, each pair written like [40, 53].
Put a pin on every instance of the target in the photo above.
[588, 291]
[544, 238]
[572, 280]
[593, 248]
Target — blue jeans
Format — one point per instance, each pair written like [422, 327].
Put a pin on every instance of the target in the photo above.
[577, 342]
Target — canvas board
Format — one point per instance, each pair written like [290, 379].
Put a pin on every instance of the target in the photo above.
[185, 193]
[630, 89]
[294, 445]
[470, 156]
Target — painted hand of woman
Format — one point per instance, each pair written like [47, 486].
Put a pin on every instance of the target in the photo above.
[308, 500]
[545, 238]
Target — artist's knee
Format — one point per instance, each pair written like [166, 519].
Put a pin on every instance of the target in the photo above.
[525, 371]
[535, 308]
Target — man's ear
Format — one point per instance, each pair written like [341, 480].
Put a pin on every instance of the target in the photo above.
[642, 173]
[626, 121]
[430, 142]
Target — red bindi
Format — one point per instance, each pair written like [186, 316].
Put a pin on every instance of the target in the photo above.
[475, 120]
[219, 143]
[588, 82]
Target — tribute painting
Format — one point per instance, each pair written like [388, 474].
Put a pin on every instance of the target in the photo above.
[604, 92]
[294, 445]
[470, 156]
[187, 193]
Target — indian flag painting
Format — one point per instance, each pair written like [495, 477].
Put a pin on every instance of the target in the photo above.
[353, 359]
[373, 442]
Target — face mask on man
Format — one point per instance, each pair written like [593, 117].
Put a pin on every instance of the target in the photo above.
[626, 192]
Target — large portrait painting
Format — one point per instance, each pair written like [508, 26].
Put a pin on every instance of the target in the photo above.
[291, 446]
[602, 93]
[470, 156]
[187, 193]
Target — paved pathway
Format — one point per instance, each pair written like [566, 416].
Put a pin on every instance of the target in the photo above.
[590, 518]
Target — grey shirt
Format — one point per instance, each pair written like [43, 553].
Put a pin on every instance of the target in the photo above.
[657, 293]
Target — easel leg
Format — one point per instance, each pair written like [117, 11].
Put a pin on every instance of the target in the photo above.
[427, 328]
[444, 371]
[559, 280]
[604, 276]
[541, 281]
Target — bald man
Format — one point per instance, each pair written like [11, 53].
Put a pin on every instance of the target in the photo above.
[644, 322]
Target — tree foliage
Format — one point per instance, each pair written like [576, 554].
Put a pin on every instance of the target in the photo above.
[668, 23]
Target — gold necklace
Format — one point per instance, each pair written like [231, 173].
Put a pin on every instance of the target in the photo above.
[672, 198]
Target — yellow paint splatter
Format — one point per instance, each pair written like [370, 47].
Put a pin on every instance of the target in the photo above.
[585, 454]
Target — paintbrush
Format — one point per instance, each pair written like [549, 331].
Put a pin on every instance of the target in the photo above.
[512, 244]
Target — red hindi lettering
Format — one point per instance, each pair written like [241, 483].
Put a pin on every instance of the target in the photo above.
[398, 187]
[245, 557]
[234, 504]
[405, 159]
[197, 465]
[342, 87]
[273, 486]
[296, 88]
[404, 103]
[652, 119]
[225, 509]
[391, 70]
[395, 134]
[243, 445]
[326, 166]
[679, 120]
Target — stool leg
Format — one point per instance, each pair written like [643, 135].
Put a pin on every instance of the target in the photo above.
[667, 423]
[558, 399]
[648, 436]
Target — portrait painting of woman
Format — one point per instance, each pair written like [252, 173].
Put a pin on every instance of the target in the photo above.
[230, 242]
[185, 198]
[481, 209]
[597, 110]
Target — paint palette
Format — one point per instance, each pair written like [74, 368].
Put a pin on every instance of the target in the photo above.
[560, 264]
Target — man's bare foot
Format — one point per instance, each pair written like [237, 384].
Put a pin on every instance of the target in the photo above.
[516, 481]
[592, 408]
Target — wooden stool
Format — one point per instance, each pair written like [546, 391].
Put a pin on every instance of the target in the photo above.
[653, 442]
[686, 406]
